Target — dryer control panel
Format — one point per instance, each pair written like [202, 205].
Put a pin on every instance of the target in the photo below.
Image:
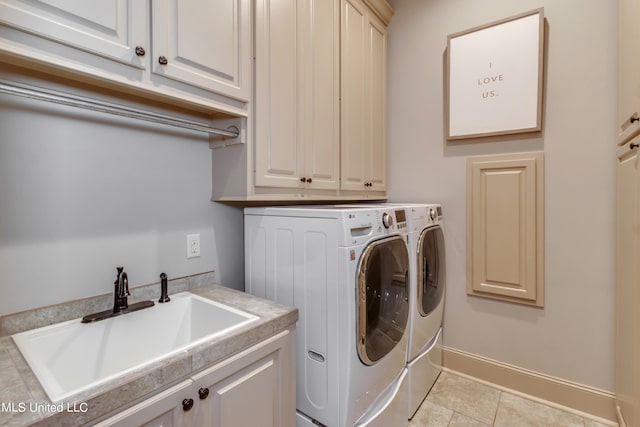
[364, 224]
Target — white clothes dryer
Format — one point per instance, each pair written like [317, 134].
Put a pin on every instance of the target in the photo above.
[347, 271]
[424, 352]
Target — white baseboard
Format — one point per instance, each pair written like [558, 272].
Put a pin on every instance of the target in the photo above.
[582, 400]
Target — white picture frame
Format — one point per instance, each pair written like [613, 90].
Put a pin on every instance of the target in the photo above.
[495, 79]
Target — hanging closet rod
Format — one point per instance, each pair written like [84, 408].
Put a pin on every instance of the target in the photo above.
[47, 95]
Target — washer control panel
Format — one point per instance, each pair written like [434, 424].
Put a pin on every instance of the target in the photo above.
[387, 220]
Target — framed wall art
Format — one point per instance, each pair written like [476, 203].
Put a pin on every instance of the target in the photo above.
[494, 78]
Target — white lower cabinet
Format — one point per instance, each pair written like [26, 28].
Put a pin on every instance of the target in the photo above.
[254, 387]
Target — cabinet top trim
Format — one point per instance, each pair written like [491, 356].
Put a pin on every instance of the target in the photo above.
[382, 9]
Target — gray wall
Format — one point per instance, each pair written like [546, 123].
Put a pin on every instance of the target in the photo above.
[572, 336]
[83, 192]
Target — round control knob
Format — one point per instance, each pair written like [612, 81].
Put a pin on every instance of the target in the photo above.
[387, 220]
[432, 214]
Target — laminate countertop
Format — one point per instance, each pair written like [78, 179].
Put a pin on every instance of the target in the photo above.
[23, 401]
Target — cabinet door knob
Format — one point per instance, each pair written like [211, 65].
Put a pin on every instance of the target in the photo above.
[634, 119]
[634, 145]
[187, 404]
[203, 393]
[303, 179]
[163, 60]
[309, 180]
[140, 51]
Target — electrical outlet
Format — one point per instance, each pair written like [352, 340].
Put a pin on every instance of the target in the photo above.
[193, 245]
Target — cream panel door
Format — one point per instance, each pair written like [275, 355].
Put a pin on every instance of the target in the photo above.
[628, 284]
[629, 69]
[354, 85]
[297, 94]
[320, 91]
[165, 409]
[204, 43]
[257, 385]
[278, 157]
[254, 388]
[108, 28]
[377, 108]
[363, 86]
[505, 227]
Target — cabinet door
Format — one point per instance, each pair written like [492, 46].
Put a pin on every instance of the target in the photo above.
[254, 388]
[319, 35]
[297, 94]
[162, 410]
[108, 28]
[278, 156]
[363, 72]
[376, 158]
[628, 284]
[629, 68]
[204, 44]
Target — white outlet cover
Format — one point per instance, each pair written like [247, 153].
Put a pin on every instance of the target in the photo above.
[193, 245]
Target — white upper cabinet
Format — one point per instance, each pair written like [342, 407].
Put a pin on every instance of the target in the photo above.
[629, 70]
[364, 98]
[198, 52]
[297, 94]
[109, 28]
[203, 43]
[319, 124]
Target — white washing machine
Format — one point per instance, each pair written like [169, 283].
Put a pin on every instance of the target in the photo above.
[428, 278]
[424, 352]
[347, 270]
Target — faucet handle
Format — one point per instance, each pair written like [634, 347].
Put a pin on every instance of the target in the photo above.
[125, 284]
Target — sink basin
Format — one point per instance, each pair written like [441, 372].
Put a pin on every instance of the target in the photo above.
[71, 357]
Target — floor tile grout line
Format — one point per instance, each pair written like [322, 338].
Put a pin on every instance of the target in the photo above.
[584, 415]
[579, 418]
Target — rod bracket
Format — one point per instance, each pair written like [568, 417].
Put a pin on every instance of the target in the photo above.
[237, 125]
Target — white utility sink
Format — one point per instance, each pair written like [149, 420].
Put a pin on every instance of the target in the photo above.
[71, 357]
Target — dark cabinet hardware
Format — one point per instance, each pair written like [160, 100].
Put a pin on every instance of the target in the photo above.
[140, 51]
[203, 393]
[634, 119]
[634, 145]
[305, 179]
[187, 404]
[163, 60]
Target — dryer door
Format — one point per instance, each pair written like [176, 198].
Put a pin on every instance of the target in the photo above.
[383, 307]
[431, 269]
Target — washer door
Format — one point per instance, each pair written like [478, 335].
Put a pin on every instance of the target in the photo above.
[383, 295]
[431, 269]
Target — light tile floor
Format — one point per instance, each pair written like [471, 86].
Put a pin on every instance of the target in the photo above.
[456, 401]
